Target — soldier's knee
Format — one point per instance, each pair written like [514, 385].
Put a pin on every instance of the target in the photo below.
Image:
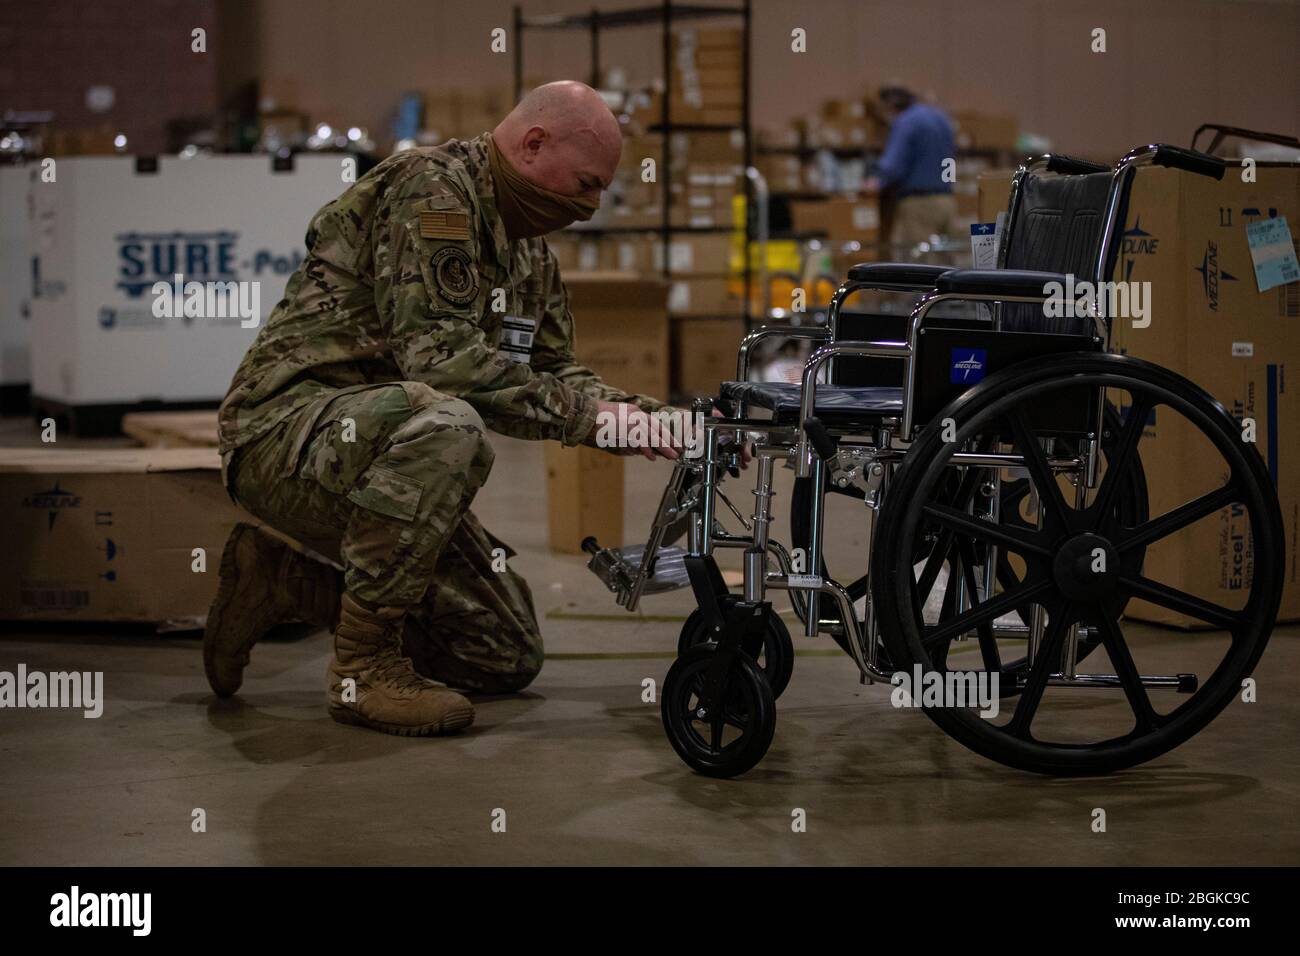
[449, 432]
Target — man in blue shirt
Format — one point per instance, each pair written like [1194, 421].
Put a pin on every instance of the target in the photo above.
[911, 169]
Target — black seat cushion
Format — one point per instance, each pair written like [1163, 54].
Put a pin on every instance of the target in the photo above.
[840, 406]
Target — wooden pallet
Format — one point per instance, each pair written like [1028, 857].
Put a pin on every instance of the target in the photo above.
[172, 429]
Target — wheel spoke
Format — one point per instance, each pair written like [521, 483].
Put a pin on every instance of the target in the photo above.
[988, 611]
[1127, 672]
[1179, 518]
[1122, 453]
[1182, 602]
[1008, 578]
[1040, 472]
[930, 573]
[988, 645]
[948, 607]
[1048, 659]
[943, 545]
[717, 720]
[983, 530]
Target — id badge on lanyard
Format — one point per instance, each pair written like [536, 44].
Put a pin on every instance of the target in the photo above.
[516, 343]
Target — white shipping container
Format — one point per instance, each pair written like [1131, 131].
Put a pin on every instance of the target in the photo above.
[105, 233]
[15, 276]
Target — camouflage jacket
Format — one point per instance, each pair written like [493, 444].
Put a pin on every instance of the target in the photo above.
[409, 276]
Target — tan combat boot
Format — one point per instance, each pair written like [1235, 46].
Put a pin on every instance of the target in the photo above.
[387, 695]
[264, 582]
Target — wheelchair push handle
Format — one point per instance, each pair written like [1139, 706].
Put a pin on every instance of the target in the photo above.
[1189, 160]
[1068, 165]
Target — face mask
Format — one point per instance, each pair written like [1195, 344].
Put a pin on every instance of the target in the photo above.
[527, 209]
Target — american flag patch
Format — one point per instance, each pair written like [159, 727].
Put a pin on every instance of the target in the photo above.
[444, 225]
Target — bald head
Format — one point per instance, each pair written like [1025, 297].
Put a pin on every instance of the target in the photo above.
[563, 137]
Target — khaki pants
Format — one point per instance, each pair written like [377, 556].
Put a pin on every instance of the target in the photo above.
[917, 218]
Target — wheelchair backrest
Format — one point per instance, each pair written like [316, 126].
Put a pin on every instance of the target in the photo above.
[1056, 226]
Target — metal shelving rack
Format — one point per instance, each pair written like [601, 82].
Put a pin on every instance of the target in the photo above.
[666, 15]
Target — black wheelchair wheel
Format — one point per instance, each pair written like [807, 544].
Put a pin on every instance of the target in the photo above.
[942, 552]
[726, 740]
[775, 655]
[1083, 567]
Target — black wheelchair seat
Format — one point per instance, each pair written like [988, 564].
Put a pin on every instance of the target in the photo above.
[838, 406]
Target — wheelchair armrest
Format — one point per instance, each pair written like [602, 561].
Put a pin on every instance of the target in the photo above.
[993, 282]
[906, 276]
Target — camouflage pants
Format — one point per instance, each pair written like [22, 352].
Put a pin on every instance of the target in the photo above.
[381, 477]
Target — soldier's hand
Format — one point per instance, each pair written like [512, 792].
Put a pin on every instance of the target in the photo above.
[622, 426]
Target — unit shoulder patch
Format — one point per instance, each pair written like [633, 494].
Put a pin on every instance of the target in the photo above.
[455, 274]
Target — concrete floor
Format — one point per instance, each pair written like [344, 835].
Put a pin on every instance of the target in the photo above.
[581, 766]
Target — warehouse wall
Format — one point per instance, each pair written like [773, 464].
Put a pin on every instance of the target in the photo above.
[51, 51]
[1170, 65]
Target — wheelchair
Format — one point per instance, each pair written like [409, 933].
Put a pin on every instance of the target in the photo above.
[995, 457]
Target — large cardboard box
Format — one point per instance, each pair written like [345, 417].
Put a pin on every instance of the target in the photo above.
[840, 219]
[621, 324]
[704, 254]
[1186, 235]
[107, 231]
[704, 354]
[110, 535]
[703, 296]
[584, 496]
[993, 192]
[976, 130]
[621, 329]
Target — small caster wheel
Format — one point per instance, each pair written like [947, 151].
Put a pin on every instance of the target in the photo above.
[723, 734]
[775, 658]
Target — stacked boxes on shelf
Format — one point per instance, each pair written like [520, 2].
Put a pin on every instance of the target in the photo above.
[706, 76]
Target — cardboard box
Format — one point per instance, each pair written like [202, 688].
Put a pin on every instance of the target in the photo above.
[702, 296]
[704, 354]
[621, 329]
[853, 219]
[840, 219]
[726, 38]
[993, 193]
[976, 130]
[584, 497]
[1186, 235]
[109, 535]
[708, 254]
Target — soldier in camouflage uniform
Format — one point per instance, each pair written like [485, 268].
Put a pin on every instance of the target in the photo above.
[428, 310]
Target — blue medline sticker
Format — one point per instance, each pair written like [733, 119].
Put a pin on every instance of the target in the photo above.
[968, 366]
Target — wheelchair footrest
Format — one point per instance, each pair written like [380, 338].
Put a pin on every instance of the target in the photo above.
[620, 567]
